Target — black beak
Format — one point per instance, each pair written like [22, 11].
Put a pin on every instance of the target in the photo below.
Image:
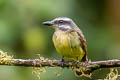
[48, 23]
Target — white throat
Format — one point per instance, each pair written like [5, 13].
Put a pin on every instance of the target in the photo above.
[65, 27]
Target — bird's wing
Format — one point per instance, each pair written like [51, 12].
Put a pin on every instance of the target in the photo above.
[84, 45]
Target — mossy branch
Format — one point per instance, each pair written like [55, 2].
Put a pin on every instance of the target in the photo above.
[86, 67]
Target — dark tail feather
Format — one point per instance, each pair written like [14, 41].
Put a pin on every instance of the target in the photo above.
[85, 58]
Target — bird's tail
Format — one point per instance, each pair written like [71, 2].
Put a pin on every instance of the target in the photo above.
[85, 58]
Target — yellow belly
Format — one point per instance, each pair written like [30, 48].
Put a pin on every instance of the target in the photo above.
[68, 45]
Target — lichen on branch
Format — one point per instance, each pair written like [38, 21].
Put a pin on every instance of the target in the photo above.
[4, 58]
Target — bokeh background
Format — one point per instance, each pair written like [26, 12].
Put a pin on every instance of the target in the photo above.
[23, 35]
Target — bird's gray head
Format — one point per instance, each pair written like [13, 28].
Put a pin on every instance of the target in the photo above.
[61, 23]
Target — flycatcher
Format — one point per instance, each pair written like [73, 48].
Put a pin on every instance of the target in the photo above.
[68, 39]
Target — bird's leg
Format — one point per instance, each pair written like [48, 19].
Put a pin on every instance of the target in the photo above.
[62, 61]
[76, 61]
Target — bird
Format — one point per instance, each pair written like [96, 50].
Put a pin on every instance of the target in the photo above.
[68, 39]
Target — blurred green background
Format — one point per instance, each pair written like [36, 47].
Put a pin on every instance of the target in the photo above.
[23, 35]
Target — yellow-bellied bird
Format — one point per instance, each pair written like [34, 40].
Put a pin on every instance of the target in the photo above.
[68, 39]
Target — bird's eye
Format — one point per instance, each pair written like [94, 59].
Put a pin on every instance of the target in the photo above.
[61, 21]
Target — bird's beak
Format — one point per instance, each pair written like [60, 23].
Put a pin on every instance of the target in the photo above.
[48, 23]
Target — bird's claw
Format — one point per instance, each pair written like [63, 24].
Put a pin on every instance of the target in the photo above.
[62, 62]
[77, 61]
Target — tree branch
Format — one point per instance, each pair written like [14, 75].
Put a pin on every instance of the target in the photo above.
[87, 67]
[56, 63]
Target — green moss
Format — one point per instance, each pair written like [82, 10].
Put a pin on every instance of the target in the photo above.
[37, 71]
[58, 71]
[113, 75]
[82, 71]
[4, 58]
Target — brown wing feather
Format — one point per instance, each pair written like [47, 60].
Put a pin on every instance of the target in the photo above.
[84, 45]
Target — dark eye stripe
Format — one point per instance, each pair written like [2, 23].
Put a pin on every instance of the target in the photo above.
[61, 21]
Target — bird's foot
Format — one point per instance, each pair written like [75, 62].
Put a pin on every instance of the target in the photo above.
[62, 62]
[76, 61]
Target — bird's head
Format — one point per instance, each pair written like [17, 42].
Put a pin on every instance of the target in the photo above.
[61, 23]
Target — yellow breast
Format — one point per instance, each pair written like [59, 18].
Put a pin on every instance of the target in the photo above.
[68, 44]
